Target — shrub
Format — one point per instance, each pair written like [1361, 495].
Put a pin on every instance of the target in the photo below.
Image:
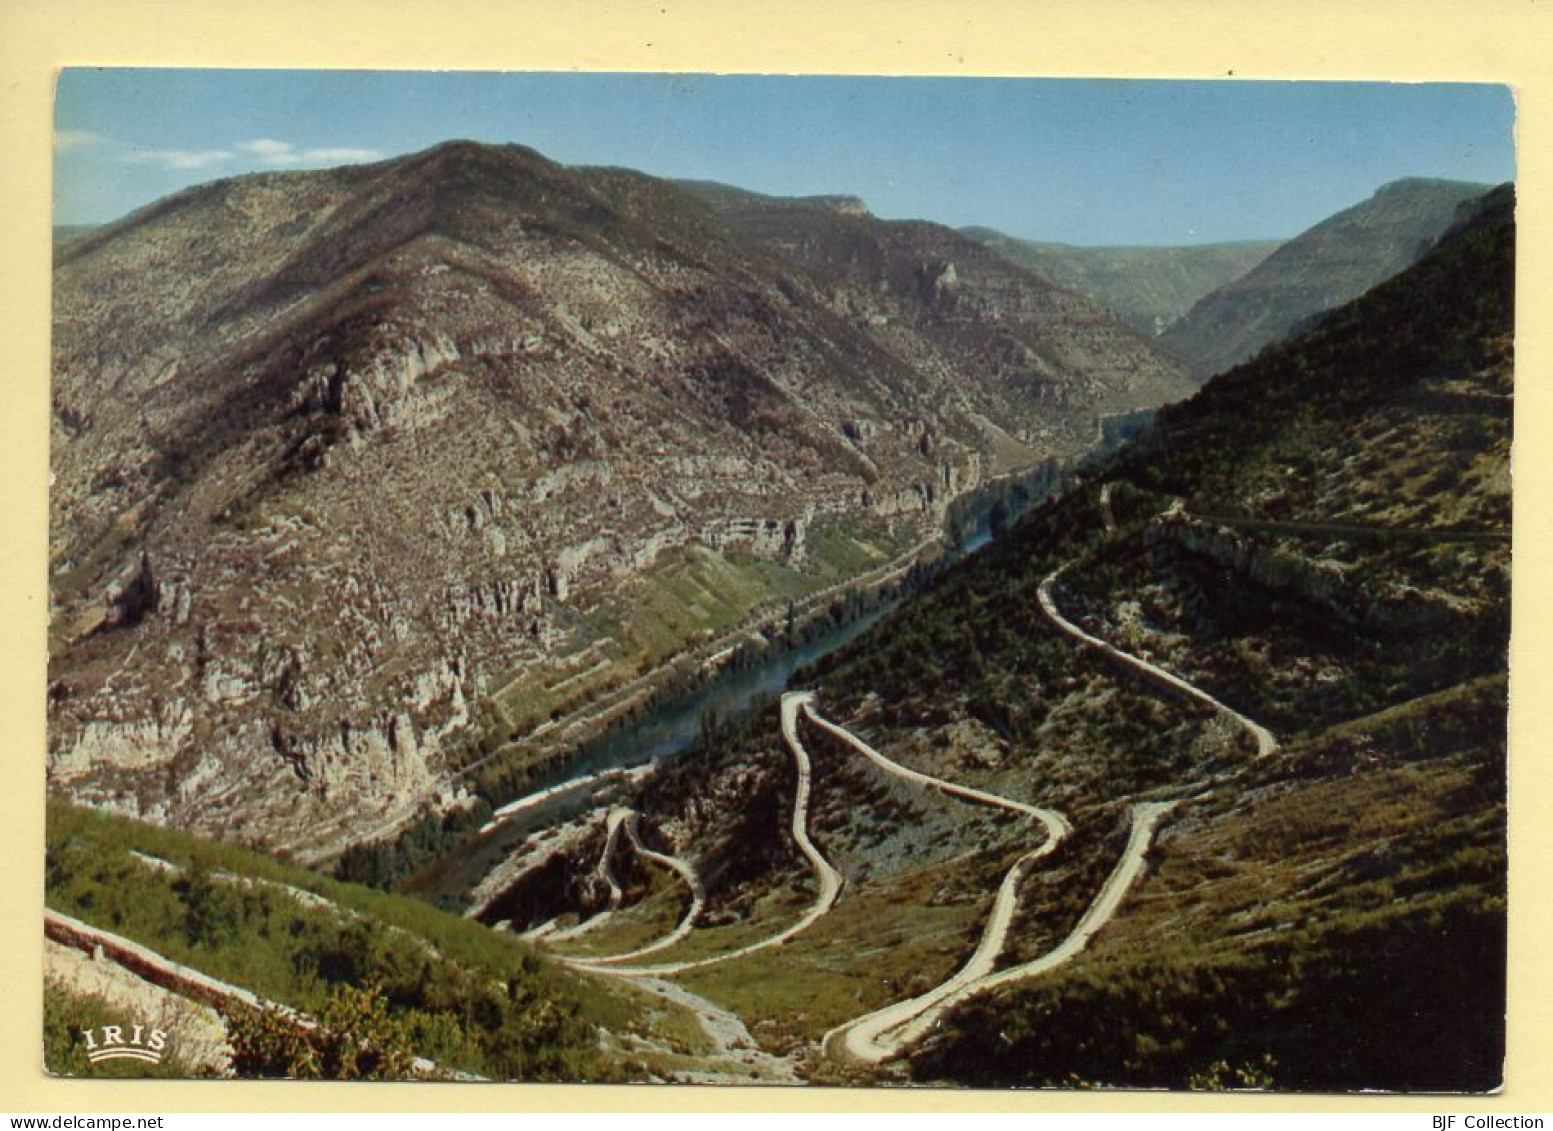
[355, 1038]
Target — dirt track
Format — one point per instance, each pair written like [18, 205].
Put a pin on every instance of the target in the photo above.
[1266, 743]
[870, 1039]
[687, 921]
[828, 879]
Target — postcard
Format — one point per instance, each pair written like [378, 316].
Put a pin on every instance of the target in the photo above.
[677, 578]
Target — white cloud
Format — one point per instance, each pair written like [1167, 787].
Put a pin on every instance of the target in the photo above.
[267, 151]
[273, 152]
[179, 158]
[68, 141]
[343, 156]
[266, 147]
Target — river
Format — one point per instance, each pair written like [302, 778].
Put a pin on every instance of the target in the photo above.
[674, 727]
[661, 733]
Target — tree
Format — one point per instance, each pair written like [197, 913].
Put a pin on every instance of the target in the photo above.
[354, 1038]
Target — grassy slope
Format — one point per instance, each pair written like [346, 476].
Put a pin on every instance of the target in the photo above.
[480, 1001]
[1333, 920]
[66, 1014]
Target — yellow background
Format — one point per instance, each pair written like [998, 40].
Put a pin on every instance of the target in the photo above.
[1466, 40]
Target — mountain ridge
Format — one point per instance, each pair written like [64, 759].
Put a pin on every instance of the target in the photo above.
[360, 516]
[620, 423]
[1328, 264]
[1148, 286]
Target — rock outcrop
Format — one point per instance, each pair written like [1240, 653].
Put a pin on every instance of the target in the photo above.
[1325, 583]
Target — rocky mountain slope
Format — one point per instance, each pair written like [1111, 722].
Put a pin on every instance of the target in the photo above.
[367, 475]
[1148, 287]
[1326, 266]
[195, 930]
[63, 233]
[1320, 541]
[931, 294]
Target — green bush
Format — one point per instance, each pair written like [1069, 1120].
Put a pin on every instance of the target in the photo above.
[466, 996]
[355, 1038]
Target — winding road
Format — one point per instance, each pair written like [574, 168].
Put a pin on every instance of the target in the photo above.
[1055, 823]
[826, 876]
[1266, 743]
[688, 921]
[868, 1038]
[612, 823]
[884, 1034]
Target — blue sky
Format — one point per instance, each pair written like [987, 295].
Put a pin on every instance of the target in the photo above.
[1079, 161]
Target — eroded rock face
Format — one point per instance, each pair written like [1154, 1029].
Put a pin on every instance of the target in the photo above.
[339, 455]
[1378, 605]
[767, 537]
[1319, 581]
[138, 743]
[128, 601]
